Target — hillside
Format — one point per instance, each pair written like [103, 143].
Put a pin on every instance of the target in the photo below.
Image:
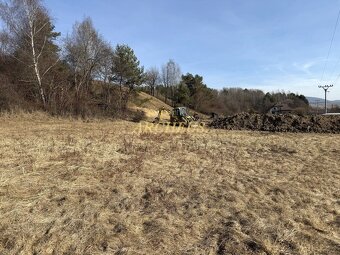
[314, 101]
[150, 106]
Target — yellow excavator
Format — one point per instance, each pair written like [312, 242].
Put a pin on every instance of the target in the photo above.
[179, 116]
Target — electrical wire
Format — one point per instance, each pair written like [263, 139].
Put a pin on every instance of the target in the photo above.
[334, 71]
[330, 47]
[336, 80]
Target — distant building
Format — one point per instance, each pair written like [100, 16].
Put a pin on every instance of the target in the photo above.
[280, 109]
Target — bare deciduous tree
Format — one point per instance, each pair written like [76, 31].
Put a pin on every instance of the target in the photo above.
[152, 78]
[171, 75]
[30, 39]
[84, 49]
[104, 72]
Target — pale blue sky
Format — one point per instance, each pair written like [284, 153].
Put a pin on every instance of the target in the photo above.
[266, 44]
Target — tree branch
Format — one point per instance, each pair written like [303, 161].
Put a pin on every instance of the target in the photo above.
[48, 69]
[42, 48]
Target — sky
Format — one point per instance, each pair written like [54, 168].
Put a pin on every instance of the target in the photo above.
[264, 44]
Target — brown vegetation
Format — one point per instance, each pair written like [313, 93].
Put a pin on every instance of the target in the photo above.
[280, 123]
[101, 187]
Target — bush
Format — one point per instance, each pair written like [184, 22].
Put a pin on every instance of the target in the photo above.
[138, 116]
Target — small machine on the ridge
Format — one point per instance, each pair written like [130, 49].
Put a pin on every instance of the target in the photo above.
[178, 116]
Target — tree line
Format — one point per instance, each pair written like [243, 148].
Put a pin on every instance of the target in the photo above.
[37, 71]
[86, 75]
[191, 91]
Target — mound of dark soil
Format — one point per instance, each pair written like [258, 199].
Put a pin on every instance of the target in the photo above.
[280, 123]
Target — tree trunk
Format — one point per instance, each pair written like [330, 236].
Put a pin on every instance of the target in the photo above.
[121, 94]
[36, 65]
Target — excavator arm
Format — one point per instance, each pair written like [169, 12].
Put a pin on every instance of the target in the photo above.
[160, 111]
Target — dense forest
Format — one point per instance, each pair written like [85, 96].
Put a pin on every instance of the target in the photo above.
[87, 76]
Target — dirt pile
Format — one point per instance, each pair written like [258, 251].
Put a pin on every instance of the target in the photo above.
[280, 123]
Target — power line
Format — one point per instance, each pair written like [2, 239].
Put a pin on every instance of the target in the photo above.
[334, 70]
[337, 79]
[326, 88]
[330, 47]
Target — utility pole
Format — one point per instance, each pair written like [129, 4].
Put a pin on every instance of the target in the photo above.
[325, 88]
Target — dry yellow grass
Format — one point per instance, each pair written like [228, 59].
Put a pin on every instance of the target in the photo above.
[149, 105]
[100, 187]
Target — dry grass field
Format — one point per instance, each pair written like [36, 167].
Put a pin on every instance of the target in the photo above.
[103, 187]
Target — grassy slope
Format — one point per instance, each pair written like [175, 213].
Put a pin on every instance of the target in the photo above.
[69, 187]
[150, 105]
